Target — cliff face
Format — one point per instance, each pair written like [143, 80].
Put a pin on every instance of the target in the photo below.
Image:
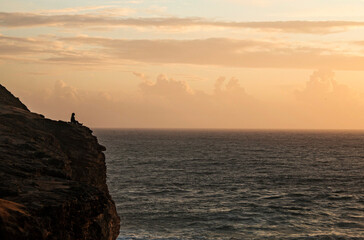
[52, 178]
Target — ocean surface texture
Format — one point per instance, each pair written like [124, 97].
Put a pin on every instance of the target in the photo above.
[201, 184]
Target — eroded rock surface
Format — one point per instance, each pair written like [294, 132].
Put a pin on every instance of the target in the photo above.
[52, 178]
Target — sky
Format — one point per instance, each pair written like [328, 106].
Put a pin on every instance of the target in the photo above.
[239, 64]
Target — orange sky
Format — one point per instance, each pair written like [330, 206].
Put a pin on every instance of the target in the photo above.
[164, 64]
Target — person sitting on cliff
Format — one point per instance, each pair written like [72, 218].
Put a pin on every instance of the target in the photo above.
[73, 119]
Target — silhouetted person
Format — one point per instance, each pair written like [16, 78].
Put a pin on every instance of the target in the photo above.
[73, 119]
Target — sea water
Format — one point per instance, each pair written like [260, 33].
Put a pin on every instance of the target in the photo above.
[225, 184]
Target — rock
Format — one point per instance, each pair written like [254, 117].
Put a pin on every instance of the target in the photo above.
[8, 99]
[52, 178]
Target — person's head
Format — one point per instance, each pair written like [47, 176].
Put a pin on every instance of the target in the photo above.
[73, 114]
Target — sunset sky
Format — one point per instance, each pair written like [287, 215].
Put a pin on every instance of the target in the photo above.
[271, 64]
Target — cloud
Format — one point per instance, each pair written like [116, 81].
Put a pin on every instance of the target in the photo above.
[165, 87]
[224, 52]
[173, 103]
[325, 103]
[16, 45]
[86, 51]
[93, 9]
[322, 89]
[91, 107]
[106, 18]
[139, 75]
[45, 49]
[259, 3]
[230, 91]
[64, 92]
[165, 102]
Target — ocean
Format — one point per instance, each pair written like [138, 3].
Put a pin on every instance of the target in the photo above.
[236, 184]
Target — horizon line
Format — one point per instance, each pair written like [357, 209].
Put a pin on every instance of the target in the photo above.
[229, 129]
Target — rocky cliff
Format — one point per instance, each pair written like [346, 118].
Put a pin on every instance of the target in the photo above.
[52, 178]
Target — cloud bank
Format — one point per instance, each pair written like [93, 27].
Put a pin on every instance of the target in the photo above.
[27, 20]
[249, 53]
[168, 103]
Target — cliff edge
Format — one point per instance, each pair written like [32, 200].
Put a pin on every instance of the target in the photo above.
[52, 178]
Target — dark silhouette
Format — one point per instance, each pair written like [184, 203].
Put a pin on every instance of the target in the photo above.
[73, 119]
